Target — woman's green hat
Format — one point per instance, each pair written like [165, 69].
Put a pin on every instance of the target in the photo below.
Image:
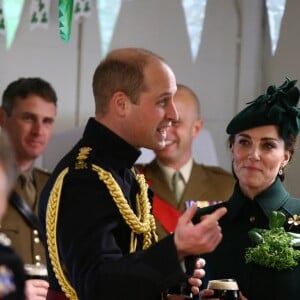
[277, 107]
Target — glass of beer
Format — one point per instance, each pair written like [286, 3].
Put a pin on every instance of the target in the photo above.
[224, 289]
[36, 271]
[181, 292]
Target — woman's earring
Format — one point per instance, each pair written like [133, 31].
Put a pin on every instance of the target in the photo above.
[280, 172]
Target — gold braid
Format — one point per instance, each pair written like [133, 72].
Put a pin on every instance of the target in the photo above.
[51, 224]
[141, 223]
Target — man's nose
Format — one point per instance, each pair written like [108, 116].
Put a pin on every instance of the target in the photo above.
[172, 113]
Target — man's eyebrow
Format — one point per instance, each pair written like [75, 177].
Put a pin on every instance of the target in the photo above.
[165, 94]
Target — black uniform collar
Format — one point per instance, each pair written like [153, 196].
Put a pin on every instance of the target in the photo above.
[110, 145]
[269, 200]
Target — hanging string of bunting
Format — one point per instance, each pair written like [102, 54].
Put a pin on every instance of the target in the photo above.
[108, 12]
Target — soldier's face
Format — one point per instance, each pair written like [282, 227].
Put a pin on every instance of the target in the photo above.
[180, 136]
[30, 126]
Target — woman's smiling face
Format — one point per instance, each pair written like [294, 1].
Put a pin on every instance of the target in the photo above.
[258, 154]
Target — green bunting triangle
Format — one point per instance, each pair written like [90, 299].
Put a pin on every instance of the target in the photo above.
[65, 15]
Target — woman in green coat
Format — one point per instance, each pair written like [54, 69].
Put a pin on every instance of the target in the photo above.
[262, 139]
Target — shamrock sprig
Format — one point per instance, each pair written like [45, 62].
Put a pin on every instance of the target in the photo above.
[274, 247]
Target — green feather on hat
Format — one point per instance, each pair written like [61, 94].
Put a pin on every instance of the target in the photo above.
[277, 107]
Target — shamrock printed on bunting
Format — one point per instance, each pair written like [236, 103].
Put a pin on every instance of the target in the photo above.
[39, 14]
[2, 25]
[82, 9]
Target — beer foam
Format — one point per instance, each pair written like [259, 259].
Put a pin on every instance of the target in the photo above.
[35, 270]
[223, 284]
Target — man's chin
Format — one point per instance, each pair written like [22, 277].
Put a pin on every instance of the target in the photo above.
[164, 152]
[33, 155]
[160, 145]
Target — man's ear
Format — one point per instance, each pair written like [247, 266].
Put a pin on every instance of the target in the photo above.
[197, 127]
[120, 102]
[3, 116]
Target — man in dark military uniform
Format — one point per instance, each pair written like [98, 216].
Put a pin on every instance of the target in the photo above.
[27, 114]
[262, 141]
[205, 185]
[95, 208]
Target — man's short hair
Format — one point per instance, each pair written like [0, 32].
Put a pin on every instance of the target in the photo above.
[23, 87]
[122, 70]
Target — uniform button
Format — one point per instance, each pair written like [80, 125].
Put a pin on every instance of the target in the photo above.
[35, 232]
[37, 257]
[252, 219]
[36, 240]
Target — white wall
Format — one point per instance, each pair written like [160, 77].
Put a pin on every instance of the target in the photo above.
[286, 62]
[234, 64]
